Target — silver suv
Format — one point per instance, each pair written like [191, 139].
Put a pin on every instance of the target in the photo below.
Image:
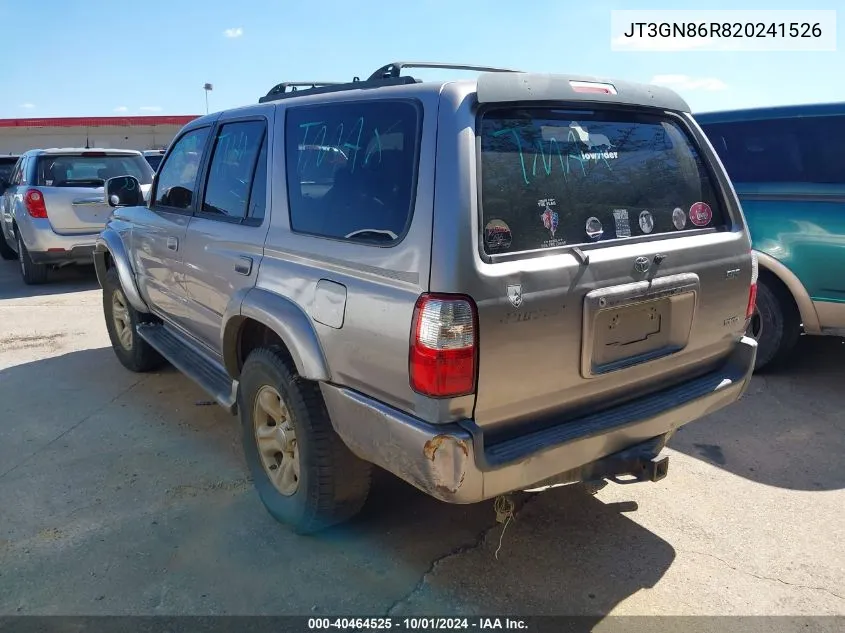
[481, 286]
[54, 206]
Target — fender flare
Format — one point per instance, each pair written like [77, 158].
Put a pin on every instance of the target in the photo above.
[108, 241]
[806, 309]
[284, 317]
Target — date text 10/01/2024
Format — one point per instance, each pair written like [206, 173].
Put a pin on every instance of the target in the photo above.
[416, 623]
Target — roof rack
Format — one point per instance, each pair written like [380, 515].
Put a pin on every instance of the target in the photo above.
[282, 88]
[387, 75]
[393, 69]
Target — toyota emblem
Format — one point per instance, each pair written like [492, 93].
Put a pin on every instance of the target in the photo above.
[641, 264]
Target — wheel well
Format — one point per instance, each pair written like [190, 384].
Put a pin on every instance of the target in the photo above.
[780, 289]
[254, 334]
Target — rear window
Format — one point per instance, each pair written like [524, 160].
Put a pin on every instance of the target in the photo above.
[57, 170]
[154, 161]
[552, 178]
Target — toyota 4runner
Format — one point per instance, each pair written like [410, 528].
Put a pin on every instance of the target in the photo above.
[482, 286]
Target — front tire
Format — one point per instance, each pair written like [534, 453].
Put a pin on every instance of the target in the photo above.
[122, 319]
[305, 475]
[775, 325]
[6, 252]
[33, 274]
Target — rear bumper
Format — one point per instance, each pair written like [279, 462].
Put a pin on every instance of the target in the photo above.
[45, 246]
[451, 462]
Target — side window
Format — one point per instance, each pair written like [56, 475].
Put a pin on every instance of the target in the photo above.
[176, 186]
[233, 160]
[258, 195]
[792, 150]
[16, 178]
[351, 171]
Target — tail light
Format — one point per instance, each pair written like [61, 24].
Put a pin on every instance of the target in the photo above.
[444, 345]
[592, 86]
[33, 200]
[752, 292]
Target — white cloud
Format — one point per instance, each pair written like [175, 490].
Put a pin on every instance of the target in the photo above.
[685, 82]
[150, 108]
[235, 32]
[121, 109]
[27, 106]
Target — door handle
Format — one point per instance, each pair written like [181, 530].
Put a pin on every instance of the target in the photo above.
[173, 243]
[243, 265]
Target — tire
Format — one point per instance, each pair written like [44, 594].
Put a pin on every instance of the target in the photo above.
[6, 252]
[33, 274]
[776, 325]
[329, 484]
[137, 356]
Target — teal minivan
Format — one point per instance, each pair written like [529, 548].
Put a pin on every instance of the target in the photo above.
[787, 165]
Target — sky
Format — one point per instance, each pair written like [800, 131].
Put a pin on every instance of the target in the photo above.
[133, 57]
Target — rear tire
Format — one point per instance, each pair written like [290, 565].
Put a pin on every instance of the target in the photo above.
[6, 252]
[33, 274]
[327, 484]
[122, 319]
[776, 325]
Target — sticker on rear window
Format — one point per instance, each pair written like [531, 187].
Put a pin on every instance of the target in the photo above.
[700, 214]
[646, 222]
[623, 226]
[550, 219]
[679, 218]
[594, 228]
[497, 235]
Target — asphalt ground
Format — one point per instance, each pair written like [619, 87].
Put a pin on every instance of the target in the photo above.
[128, 494]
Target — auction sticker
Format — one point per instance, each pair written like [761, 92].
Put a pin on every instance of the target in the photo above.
[497, 235]
[594, 228]
[646, 222]
[700, 214]
[679, 218]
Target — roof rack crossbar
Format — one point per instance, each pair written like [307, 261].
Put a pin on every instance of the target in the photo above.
[394, 68]
[293, 85]
[278, 92]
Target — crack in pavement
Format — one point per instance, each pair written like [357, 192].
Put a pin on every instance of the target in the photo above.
[74, 426]
[769, 578]
[458, 551]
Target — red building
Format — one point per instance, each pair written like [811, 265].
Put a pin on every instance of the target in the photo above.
[123, 132]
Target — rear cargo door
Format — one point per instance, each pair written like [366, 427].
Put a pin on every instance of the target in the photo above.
[609, 264]
[72, 186]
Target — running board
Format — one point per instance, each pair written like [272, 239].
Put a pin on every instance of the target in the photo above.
[207, 373]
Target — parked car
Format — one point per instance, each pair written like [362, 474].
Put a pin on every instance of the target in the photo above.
[570, 289]
[54, 206]
[7, 164]
[154, 157]
[786, 166]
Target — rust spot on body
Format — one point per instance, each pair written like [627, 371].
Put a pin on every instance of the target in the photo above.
[432, 445]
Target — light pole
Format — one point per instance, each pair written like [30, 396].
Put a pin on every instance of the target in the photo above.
[208, 88]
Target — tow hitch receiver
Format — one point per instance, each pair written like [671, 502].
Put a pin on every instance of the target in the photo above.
[653, 469]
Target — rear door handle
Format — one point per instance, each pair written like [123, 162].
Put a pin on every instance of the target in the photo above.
[173, 243]
[243, 265]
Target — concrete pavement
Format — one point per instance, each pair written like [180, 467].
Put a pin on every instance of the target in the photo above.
[128, 494]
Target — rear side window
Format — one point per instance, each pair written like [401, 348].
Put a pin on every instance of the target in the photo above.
[552, 178]
[91, 170]
[793, 150]
[154, 161]
[351, 169]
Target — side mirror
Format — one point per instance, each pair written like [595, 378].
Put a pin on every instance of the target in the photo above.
[124, 191]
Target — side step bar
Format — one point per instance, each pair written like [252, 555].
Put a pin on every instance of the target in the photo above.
[207, 373]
